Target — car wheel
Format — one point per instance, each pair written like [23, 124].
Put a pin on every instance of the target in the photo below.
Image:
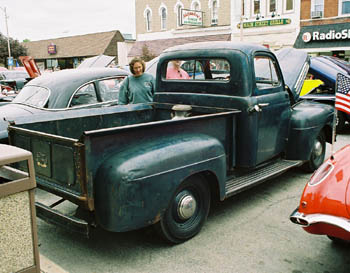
[317, 154]
[338, 240]
[340, 123]
[187, 211]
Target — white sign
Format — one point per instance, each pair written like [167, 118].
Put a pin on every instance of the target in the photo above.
[191, 17]
[330, 35]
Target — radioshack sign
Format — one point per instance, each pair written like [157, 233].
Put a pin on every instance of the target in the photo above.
[331, 35]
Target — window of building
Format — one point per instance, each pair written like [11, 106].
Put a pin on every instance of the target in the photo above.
[148, 17]
[344, 7]
[317, 7]
[163, 18]
[272, 6]
[214, 13]
[178, 7]
[256, 6]
[196, 5]
[289, 5]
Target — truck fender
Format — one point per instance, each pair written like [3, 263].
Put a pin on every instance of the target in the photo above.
[307, 121]
[134, 187]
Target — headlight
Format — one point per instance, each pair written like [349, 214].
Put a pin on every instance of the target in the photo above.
[321, 174]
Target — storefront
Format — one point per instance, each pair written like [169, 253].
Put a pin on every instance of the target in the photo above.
[331, 40]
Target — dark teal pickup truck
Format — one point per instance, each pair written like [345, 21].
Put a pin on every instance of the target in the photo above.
[229, 124]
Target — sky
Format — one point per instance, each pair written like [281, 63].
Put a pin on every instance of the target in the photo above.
[44, 19]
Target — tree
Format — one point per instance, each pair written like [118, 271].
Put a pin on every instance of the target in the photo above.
[147, 55]
[16, 49]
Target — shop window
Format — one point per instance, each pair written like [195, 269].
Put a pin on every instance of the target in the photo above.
[345, 7]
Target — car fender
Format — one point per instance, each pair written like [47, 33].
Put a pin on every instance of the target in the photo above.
[308, 119]
[133, 187]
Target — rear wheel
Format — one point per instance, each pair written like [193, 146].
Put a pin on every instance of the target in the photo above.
[317, 154]
[187, 211]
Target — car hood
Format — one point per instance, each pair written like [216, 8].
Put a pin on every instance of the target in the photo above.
[97, 61]
[294, 64]
[326, 70]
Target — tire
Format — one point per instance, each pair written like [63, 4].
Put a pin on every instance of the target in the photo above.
[340, 123]
[180, 223]
[338, 241]
[317, 154]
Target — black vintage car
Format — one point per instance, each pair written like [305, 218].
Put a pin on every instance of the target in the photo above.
[63, 91]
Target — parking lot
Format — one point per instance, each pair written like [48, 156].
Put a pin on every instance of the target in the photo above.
[250, 232]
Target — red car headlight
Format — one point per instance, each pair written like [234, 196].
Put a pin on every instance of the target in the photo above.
[321, 174]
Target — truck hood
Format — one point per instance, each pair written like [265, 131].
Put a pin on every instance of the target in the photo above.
[294, 64]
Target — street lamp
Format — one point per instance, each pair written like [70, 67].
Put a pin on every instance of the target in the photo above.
[7, 33]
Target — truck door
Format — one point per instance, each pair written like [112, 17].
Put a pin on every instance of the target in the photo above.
[271, 108]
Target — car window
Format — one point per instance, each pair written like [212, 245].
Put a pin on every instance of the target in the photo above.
[266, 75]
[33, 95]
[85, 95]
[109, 89]
[198, 70]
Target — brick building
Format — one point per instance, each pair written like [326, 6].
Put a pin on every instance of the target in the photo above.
[163, 23]
[325, 27]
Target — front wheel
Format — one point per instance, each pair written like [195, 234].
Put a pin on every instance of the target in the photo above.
[317, 154]
[187, 211]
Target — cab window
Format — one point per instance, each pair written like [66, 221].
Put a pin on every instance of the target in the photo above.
[266, 75]
[198, 70]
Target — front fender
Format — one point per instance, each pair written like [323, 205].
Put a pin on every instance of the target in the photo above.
[134, 187]
[307, 120]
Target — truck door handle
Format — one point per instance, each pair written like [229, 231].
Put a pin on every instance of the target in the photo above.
[257, 107]
[263, 104]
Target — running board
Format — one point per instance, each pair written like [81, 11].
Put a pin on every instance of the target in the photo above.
[243, 182]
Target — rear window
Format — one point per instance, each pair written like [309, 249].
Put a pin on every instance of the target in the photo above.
[198, 70]
[33, 95]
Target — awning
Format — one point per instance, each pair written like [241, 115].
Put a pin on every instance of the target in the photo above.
[332, 36]
[155, 47]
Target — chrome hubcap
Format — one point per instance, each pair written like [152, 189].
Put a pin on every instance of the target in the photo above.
[186, 207]
[318, 148]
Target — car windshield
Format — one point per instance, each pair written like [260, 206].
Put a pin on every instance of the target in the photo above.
[33, 96]
[15, 74]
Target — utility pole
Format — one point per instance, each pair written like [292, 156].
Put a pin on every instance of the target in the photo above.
[8, 37]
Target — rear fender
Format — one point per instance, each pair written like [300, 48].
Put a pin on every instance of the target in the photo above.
[134, 187]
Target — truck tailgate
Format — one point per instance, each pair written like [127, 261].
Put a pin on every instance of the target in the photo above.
[59, 163]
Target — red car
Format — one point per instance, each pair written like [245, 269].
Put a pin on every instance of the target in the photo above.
[324, 207]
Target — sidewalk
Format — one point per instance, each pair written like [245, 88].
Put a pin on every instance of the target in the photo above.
[47, 266]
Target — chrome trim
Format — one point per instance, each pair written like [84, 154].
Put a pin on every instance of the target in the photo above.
[307, 220]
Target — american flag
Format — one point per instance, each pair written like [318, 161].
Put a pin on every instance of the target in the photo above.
[342, 95]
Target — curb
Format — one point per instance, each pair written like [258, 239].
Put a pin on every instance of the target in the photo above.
[47, 266]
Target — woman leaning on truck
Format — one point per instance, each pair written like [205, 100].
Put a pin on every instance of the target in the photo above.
[139, 87]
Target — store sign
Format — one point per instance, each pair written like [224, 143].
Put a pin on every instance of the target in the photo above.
[266, 23]
[328, 36]
[191, 17]
[51, 49]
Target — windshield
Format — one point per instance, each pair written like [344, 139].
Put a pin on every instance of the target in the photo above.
[33, 95]
[15, 74]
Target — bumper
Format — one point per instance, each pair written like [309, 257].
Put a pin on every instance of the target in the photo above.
[307, 220]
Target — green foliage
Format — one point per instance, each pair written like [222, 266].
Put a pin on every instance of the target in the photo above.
[16, 49]
[147, 55]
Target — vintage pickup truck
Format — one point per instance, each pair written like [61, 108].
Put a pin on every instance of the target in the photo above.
[231, 124]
